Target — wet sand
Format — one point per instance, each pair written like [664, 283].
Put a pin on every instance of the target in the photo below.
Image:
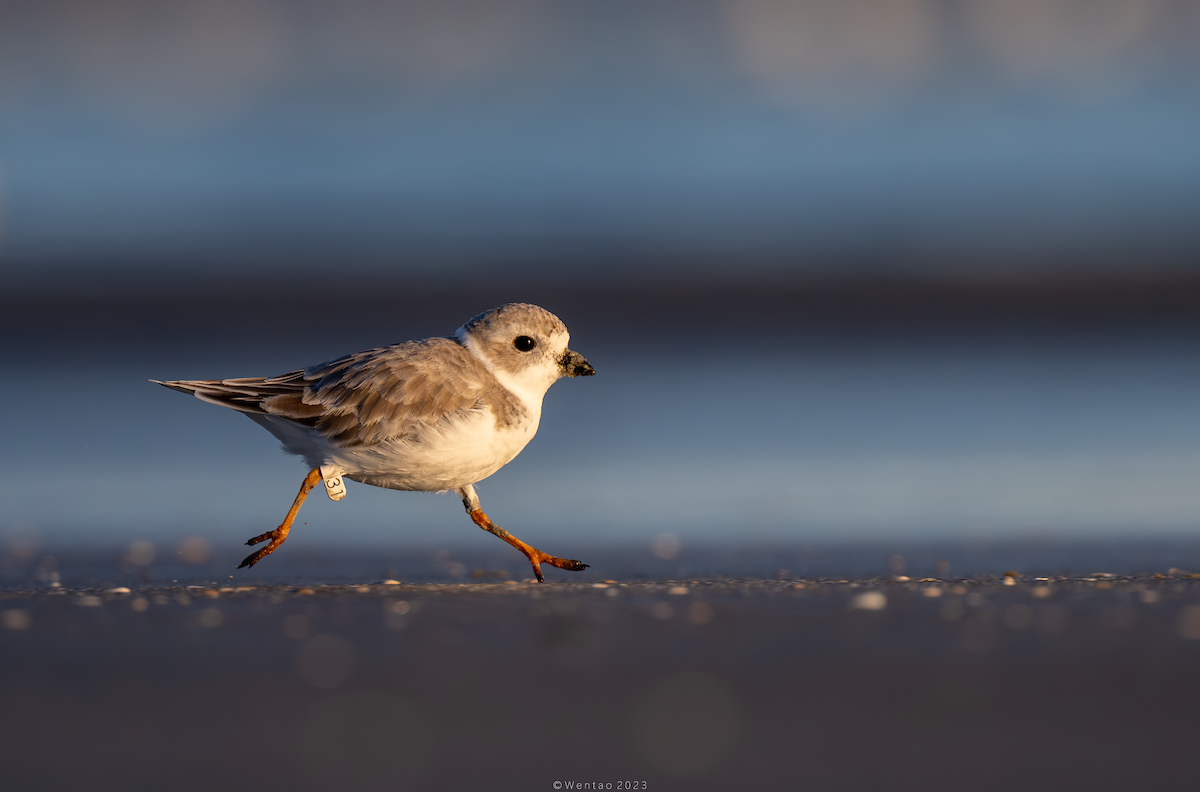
[719, 683]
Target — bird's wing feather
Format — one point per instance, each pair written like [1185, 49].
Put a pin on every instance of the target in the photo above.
[364, 398]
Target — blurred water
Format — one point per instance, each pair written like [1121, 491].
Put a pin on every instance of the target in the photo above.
[231, 189]
[754, 438]
[815, 136]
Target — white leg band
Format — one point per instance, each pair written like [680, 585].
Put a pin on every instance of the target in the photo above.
[335, 487]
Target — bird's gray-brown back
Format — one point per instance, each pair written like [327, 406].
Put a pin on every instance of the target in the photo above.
[395, 392]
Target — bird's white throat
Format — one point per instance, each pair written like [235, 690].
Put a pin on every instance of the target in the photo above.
[529, 386]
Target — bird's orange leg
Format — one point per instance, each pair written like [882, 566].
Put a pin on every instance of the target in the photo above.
[536, 557]
[280, 534]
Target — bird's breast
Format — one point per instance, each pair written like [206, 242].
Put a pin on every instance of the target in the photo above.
[447, 456]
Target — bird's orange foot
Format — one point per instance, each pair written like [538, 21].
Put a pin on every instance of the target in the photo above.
[536, 557]
[280, 534]
[276, 538]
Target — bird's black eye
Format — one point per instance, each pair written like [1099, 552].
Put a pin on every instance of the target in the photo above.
[524, 343]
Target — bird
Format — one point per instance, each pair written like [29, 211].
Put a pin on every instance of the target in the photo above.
[431, 415]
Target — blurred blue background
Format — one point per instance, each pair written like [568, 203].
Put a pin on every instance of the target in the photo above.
[848, 269]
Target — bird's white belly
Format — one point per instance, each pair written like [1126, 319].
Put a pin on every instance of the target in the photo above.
[449, 457]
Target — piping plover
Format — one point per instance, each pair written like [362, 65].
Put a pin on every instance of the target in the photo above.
[432, 415]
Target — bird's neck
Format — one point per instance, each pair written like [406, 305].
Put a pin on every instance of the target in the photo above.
[529, 390]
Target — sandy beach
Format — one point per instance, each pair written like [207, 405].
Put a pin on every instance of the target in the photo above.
[990, 682]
